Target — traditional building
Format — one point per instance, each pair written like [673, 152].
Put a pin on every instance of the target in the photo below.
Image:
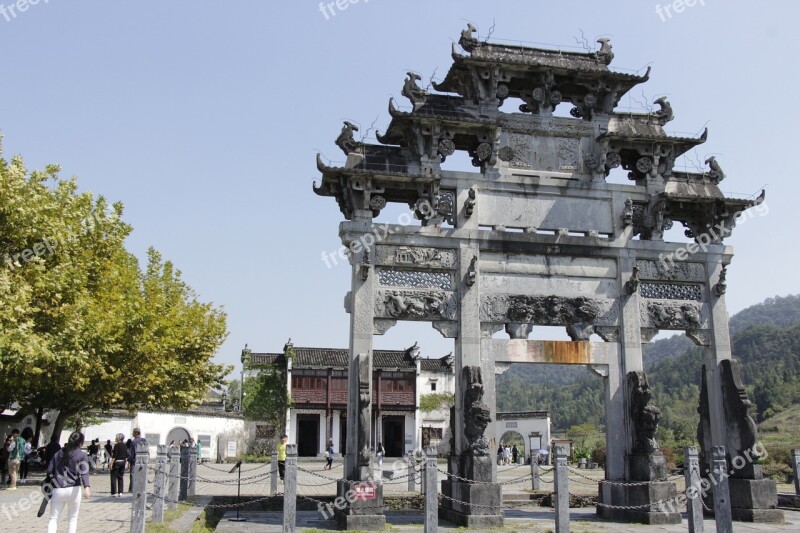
[317, 384]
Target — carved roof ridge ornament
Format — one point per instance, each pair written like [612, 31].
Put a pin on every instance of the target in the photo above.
[604, 55]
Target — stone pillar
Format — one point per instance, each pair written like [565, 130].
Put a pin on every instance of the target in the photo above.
[694, 501]
[796, 469]
[138, 509]
[561, 482]
[482, 507]
[159, 493]
[722, 497]
[273, 482]
[535, 481]
[174, 477]
[290, 490]
[184, 481]
[412, 474]
[191, 483]
[431, 496]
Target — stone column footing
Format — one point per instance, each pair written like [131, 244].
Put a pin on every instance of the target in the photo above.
[363, 515]
[752, 500]
[653, 493]
[487, 500]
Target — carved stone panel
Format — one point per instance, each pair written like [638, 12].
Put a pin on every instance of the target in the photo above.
[415, 279]
[568, 153]
[668, 271]
[672, 291]
[406, 304]
[414, 256]
[548, 310]
[669, 314]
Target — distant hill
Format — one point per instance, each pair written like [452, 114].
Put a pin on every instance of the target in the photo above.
[765, 340]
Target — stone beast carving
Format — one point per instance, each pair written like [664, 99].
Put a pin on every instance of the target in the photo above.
[476, 413]
[645, 417]
[345, 140]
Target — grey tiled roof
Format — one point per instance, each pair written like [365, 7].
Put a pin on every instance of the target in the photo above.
[338, 359]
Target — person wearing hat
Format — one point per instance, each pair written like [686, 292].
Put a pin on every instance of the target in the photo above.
[282, 455]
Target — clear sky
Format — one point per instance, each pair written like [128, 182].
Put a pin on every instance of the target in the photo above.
[204, 117]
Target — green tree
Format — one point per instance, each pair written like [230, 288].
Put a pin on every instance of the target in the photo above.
[266, 397]
[83, 327]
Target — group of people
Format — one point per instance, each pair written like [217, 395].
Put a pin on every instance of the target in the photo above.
[68, 468]
[15, 458]
[506, 455]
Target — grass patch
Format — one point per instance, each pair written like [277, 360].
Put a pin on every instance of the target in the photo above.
[205, 523]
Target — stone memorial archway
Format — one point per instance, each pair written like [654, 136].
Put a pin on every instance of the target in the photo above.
[537, 237]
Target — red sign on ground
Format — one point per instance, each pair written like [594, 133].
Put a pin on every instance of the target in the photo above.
[364, 491]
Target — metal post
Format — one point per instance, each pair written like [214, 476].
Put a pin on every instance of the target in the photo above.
[273, 483]
[535, 482]
[412, 474]
[694, 497]
[431, 497]
[174, 475]
[138, 509]
[159, 490]
[722, 498]
[191, 483]
[562, 491]
[290, 490]
[796, 470]
[238, 492]
[184, 484]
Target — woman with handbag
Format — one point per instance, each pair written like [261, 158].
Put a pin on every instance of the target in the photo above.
[69, 471]
[119, 458]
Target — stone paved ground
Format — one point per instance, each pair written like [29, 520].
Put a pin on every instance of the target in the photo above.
[101, 513]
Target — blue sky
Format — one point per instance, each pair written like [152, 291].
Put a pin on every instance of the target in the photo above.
[204, 118]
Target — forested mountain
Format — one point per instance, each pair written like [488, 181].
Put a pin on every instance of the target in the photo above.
[765, 340]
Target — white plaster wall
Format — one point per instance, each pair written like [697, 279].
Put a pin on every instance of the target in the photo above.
[163, 423]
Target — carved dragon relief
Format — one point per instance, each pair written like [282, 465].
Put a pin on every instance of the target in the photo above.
[521, 313]
[415, 305]
[671, 314]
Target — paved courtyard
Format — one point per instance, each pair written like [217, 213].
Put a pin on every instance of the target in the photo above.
[102, 513]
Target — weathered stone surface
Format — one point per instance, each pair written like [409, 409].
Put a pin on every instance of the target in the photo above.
[753, 493]
[487, 496]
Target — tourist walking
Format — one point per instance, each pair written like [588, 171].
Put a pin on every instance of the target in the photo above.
[92, 450]
[27, 435]
[379, 453]
[68, 471]
[514, 454]
[329, 456]
[16, 454]
[4, 460]
[109, 448]
[282, 455]
[119, 456]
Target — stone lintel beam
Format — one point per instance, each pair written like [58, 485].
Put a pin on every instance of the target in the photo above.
[556, 352]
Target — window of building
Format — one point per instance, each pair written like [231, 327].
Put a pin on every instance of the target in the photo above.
[433, 386]
[153, 439]
[308, 383]
[204, 440]
[339, 384]
[396, 385]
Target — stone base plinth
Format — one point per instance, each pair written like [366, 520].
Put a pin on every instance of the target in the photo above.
[650, 495]
[354, 512]
[752, 500]
[481, 507]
